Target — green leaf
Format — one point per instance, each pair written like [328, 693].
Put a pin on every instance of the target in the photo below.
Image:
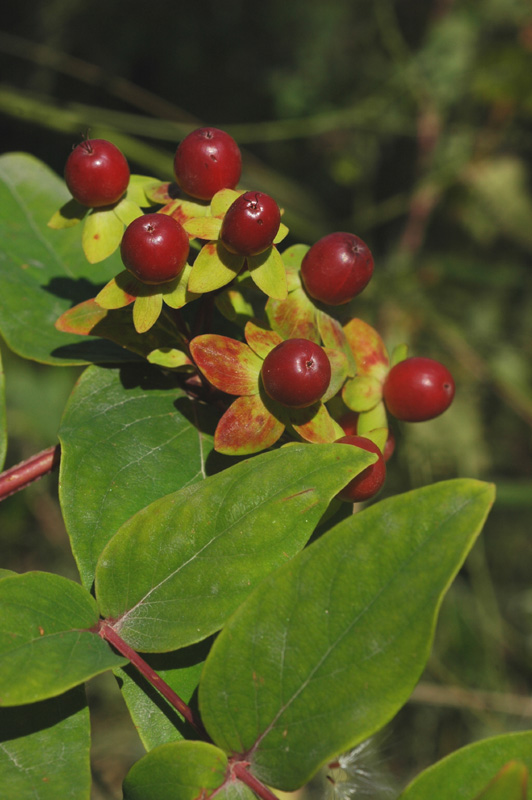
[247, 427]
[222, 200]
[339, 370]
[229, 365]
[399, 353]
[138, 188]
[46, 646]
[510, 783]
[68, 215]
[327, 649]
[44, 749]
[3, 422]
[121, 291]
[176, 293]
[43, 271]
[147, 310]
[204, 227]
[102, 233]
[268, 273]
[170, 358]
[333, 336]
[369, 420]
[175, 571]
[213, 268]
[315, 424]
[176, 771]
[127, 211]
[127, 437]
[465, 773]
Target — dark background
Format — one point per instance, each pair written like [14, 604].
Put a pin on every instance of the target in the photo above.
[408, 123]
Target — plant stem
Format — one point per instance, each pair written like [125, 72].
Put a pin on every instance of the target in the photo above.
[240, 771]
[21, 475]
[108, 633]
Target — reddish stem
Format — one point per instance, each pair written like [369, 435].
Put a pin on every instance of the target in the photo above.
[240, 771]
[20, 476]
[110, 635]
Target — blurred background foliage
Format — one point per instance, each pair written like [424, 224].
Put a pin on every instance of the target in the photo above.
[408, 123]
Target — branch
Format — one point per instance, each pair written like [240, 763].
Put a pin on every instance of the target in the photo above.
[21, 475]
[240, 771]
[108, 633]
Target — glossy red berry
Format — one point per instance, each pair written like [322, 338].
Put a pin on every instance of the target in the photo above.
[155, 248]
[96, 173]
[418, 389]
[250, 224]
[206, 161]
[368, 482]
[337, 268]
[296, 373]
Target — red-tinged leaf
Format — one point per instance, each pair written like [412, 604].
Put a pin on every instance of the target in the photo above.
[229, 365]
[102, 234]
[146, 311]
[119, 292]
[293, 318]
[81, 319]
[261, 340]
[68, 215]
[339, 370]
[268, 273]
[247, 427]
[362, 393]
[332, 335]
[203, 227]
[222, 200]
[213, 268]
[368, 348]
[183, 210]
[315, 424]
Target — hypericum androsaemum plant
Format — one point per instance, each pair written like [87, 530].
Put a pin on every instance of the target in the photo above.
[281, 655]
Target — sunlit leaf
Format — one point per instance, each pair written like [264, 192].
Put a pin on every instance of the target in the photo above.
[213, 268]
[315, 424]
[368, 348]
[102, 234]
[293, 318]
[229, 365]
[204, 227]
[119, 292]
[247, 427]
[261, 340]
[268, 273]
[68, 215]
[146, 310]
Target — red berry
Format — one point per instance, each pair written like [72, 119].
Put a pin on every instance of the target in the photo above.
[337, 268]
[418, 389]
[296, 373]
[250, 224]
[96, 173]
[206, 161]
[155, 248]
[368, 482]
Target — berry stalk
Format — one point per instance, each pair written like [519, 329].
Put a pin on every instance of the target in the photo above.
[35, 467]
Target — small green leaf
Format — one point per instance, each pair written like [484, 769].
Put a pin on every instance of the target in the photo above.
[170, 358]
[268, 273]
[222, 200]
[204, 227]
[140, 188]
[247, 427]
[229, 365]
[362, 393]
[369, 420]
[45, 748]
[315, 424]
[333, 336]
[213, 268]
[102, 234]
[146, 310]
[464, 774]
[329, 647]
[234, 306]
[176, 293]
[282, 233]
[260, 339]
[127, 210]
[46, 645]
[339, 370]
[177, 771]
[399, 353]
[214, 541]
[119, 292]
[68, 215]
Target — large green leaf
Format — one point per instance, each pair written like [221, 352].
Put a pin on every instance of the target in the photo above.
[328, 648]
[176, 771]
[176, 570]
[44, 749]
[3, 426]
[465, 773]
[46, 645]
[43, 271]
[127, 436]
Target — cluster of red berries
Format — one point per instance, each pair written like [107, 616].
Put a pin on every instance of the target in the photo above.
[297, 372]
